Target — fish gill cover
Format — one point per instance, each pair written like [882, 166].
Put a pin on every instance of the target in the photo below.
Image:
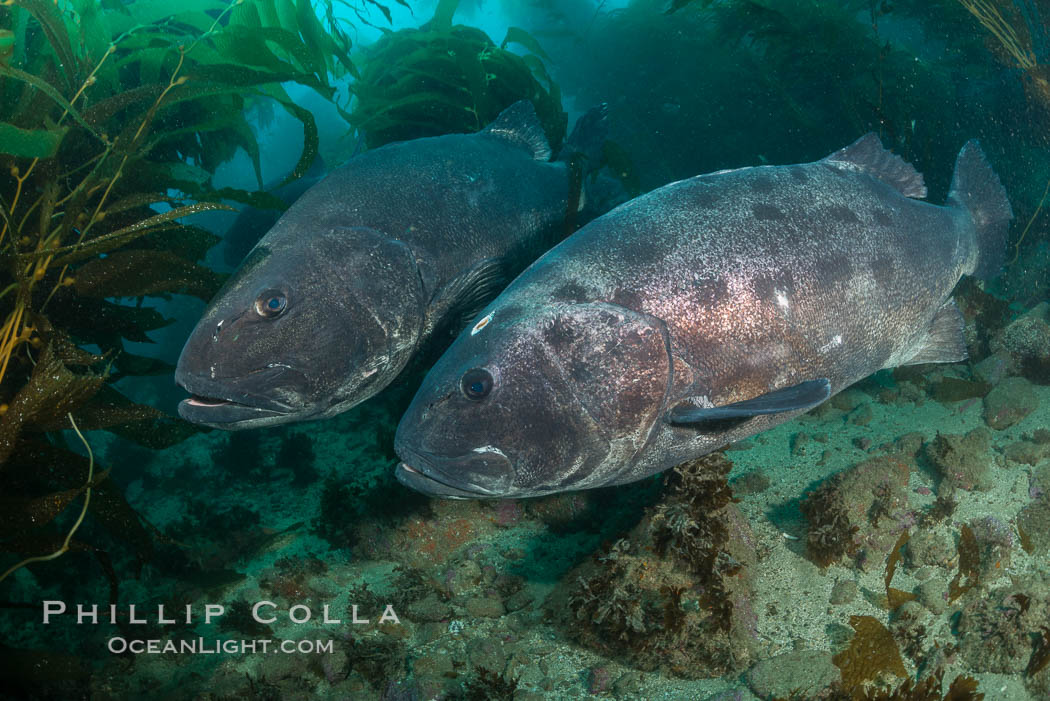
[107, 153]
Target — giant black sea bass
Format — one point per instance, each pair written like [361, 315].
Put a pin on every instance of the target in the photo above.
[401, 245]
[703, 312]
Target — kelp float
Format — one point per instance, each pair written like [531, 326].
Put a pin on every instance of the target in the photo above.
[113, 118]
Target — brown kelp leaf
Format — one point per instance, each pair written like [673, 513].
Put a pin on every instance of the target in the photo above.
[145, 425]
[112, 510]
[103, 322]
[125, 363]
[19, 515]
[162, 432]
[33, 672]
[134, 273]
[51, 393]
[190, 242]
[62, 345]
[871, 652]
[1040, 654]
[969, 565]
[517, 35]
[115, 239]
[49, 16]
[896, 597]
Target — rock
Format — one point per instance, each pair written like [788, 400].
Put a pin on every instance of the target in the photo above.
[844, 591]
[927, 547]
[1026, 338]
[462, 577]
[629, 685]
[1009, 402]
[1025, 452]
[862, 415]
[487, 653]
[486, 606]
[1034, 523]
[962, 461]
[933, 594]
[434, 665]
[857, 512]
[520, 599]
[993, 368]
[804, 673]
[849, 399]
[429, 608]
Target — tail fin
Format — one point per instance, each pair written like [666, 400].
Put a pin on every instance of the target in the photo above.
[583, 153]
[976, 188]
[587, 138]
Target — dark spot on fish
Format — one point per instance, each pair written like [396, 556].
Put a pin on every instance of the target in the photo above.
[709, 292]
[509, 312]
[843, 214]
[762, 184]
[837, 268]
[571, 291]
[882, 217]
[884, 270]
[770, 285]
[704, 198]
[766, 212]
[628, 299]
[560, 334]
[798, 173]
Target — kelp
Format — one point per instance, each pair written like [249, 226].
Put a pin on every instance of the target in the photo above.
[1017, 28]
[113, 119]
[442, 79]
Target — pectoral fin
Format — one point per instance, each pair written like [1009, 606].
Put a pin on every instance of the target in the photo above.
[804, 395]
[463, 297]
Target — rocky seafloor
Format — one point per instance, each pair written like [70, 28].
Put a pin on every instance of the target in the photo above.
[898, 533]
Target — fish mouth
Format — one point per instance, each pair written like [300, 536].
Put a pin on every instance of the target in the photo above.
[216, 405]
[481, 474]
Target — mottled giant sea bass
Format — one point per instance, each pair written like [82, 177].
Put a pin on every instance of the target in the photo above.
[400, 245]
[701, 313]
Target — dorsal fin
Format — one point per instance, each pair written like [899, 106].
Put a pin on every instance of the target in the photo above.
[519, 125]
[868, 155]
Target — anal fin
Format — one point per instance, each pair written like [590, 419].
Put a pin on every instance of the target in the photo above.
[944, 341]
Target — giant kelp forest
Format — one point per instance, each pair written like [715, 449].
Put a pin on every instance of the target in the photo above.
[115, 116]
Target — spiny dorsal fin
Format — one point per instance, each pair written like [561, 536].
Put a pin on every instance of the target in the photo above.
[868, 155]
[519, 125]
[944, 341]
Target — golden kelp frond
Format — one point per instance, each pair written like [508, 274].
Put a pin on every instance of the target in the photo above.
[451, 79]
[1015, 40]
[113, 119]
[988, 14]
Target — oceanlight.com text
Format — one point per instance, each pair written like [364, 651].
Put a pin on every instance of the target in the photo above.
[202, 646]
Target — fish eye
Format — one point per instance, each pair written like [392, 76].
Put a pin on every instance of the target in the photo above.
[271, 303]
[476, 383]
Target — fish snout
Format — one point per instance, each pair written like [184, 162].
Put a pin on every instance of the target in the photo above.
[484, 472]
